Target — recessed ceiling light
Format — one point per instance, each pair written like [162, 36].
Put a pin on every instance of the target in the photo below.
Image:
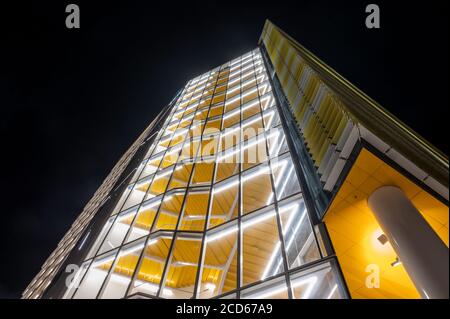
[396, 262]
[382, 239]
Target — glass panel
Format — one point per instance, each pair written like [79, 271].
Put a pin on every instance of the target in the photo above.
[260, 245]
[300, 243]
[180, 177]
[144, 219]
[151, 268]
[271, 119]
[203, 173]
[219, 266]
[190, 149]
[76, 280]
[256, 188]
[195, 209]
[120, 277]
[137, 194]
[100, 237]
[118, 230]
[252, 127]
[225, 202]
[250, 109]
[94, 277]
[209, 146]
[159, 183]
[182, 268]
[230, 137]
[272, 289]
[284, 176]
[320, 282]
[276, 141]
[170, 210]
[227, 163]
[254, 152]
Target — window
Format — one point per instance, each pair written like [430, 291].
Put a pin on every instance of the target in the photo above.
[273, 289]
[256, 188]
[123, 268]
[182, 266]
[219, 264]
[150, 270]
[320, 282]
[195, 209]
[260, 245]
[225, 202]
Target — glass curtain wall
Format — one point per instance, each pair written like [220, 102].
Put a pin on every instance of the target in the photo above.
[215, 209]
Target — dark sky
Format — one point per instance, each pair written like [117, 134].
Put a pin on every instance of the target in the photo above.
[72, 101]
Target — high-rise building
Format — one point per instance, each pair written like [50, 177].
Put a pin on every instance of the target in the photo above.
[270, 176]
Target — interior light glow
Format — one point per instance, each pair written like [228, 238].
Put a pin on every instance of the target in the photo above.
[232, 90]
[123, 252]
[152, 287]
[247, 93]
[160, 175]
[230, 83]
[228, 154]
[258, 172]
[225, 186]
[267, 293]
[228, 131]
[271, 260]
[332, 291]
[221, 234]
[280, 176]
[210, 286]
[140, 183]
[232, 100]
[292, 237]
[257, 220]
[311, 281]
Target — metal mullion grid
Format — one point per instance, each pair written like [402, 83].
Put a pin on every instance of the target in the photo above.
[112, 224]
[133, 278]
[128, 196]
[239, 223]
[109, 230]
[205, 227]
[310, 207]
[180, 217]
[140, 258]
[296, 270]
[143, 198]
[275, 203]
[138, 206]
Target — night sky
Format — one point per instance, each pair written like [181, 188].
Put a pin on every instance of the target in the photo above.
[72, 101]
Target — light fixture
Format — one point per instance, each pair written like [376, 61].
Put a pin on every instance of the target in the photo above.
[382, 239]
[332, 292]
[396, 262]
[221, 234]
[210, 286]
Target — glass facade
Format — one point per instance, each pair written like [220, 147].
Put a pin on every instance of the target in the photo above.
[255, 182]
[215, 209]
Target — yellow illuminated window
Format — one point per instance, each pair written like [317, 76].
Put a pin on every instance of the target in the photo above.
[182, 267]
[194, 214]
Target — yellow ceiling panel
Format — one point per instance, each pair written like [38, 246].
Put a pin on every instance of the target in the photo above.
[354, 230]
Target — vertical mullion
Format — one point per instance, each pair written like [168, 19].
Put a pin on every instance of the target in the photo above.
[199, 274]
[239, 223]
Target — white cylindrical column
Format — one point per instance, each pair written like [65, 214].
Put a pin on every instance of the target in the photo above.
[421, 251]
